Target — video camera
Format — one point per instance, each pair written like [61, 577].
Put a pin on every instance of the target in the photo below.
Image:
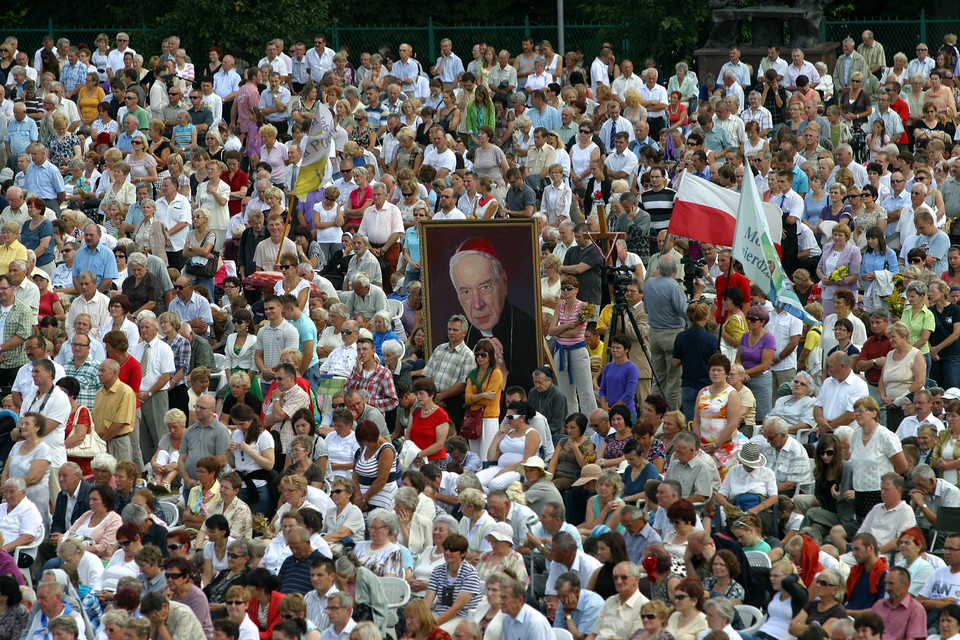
[619, 277]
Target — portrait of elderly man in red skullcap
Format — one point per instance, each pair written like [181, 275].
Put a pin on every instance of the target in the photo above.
[480, 282]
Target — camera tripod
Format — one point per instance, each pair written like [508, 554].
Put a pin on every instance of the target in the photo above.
[622, 310]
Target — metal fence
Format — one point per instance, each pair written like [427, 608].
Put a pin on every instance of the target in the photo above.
[425, 40]
[894, 35]
[142, 37]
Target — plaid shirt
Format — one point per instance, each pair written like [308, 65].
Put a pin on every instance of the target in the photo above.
[181, 357]
[17, 322]
[87, 376]
[377, 388]
[449, 366]
[73, 75]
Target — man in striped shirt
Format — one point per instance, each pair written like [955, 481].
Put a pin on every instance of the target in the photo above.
[658, 201]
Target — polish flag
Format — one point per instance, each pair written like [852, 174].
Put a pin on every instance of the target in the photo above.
[707, 212]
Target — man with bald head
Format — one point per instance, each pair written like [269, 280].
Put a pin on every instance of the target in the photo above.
[21, 133]
[114, 411]
[294, 573]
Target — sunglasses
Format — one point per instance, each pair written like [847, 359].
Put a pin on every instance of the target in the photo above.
[236, 602]
[828, 452]
[347, 332]
[335, 491]
[753, 319]
[234, 556]
[179, 287]
[481, 354]
[648, 616]
[173, 547]
[339, 405]
[681, 596]
[567, 288]
[511, 416]
[125, 543]
[174, 575]
[407, 195]
[824, 583]
[288, 266]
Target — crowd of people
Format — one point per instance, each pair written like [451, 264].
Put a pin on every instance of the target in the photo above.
[220, 418]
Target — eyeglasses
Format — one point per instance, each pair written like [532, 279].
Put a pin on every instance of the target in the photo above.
[824, 583]
[179, 287]
[288, 266]
[237, 602]
[234, 556]
[681, 596]
[335, 491]
[346, 332]
[511, 416]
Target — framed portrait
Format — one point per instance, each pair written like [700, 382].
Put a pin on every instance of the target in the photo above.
[489, 272]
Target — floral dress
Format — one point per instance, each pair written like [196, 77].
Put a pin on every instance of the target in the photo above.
[713, 421]
[489, 563]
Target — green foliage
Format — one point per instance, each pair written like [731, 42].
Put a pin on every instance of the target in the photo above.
[668, 31]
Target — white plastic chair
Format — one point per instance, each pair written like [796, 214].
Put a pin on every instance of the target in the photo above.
[562, 634]
[396, 307]
[25, 548]
[170, 512]
[398, 595]
[758, 559]
[751, 617]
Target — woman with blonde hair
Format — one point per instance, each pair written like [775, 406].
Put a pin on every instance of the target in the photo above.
[421, 623]
[557, 197]
[199, 249]
[407, 151]
[905, 370]
[790, 597]
[213, 196]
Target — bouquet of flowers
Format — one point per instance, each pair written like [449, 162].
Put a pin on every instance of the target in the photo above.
[896, 300]
[588, 313]
[839, 273]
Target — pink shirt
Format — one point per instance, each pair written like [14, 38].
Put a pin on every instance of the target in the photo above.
[277, 159]
[379, 224]
[247, 96]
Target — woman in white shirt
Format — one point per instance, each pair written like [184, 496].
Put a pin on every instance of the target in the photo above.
[119, 308]
[251, 451]
[556, 197]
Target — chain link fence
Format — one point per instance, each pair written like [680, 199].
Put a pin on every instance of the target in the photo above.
[425, 40]
[895, 35]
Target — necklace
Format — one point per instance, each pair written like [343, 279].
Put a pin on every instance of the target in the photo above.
[427, 412]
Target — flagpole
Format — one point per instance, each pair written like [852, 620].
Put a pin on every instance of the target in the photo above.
[286, 225]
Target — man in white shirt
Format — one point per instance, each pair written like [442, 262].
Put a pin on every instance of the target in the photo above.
[382, 223]
[839, 392]
[799, 67]
[885, 521]
[931, 493]
[115, 57]
[438, 155]
[449, 66]
[273, 60]
[727, 119]
[448, 208]
[322, 574]
[773, 61]
[174, 211]
[786, 330]
[36, 350]
[598, 69]
[320, 58]
[626, 80]
[740, 69]
[622, 163]
[923, 401]
[653, 98]
[156, 361]
[757, 113]
[342, 360]
[845, 160]
[615, 124]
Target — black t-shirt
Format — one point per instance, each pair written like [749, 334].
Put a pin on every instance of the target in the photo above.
[944, 328]
[589, 279]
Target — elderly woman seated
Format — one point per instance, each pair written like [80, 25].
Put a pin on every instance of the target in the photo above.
[750, 487]
[380, 555]
[415, 529]
[797, 408]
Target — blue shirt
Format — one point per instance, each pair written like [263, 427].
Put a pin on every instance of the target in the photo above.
[101, 262]
[21, 134]
[529, 624]
[540, 532]
[73, 75]
[741, 69]
[197, 307]
[308, 332]
[584, 615]
[225, 82]
[471, 462]
[549, 119]
[411, 242]
[801, 184]
[266, 102]
[124, 139]
[377, 115]
[873, 261]
[31, 238]
[44, 180]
